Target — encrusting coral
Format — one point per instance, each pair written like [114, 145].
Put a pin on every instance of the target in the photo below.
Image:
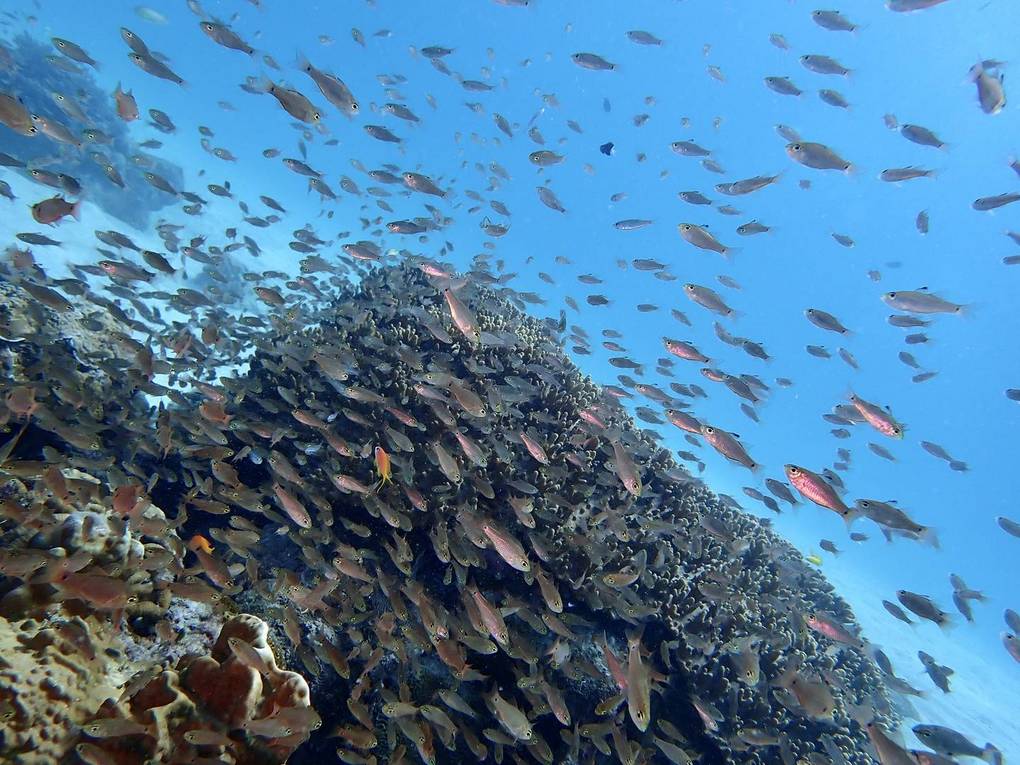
[235, 705]
[52, 679]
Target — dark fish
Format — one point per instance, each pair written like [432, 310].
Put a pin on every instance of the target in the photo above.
[381, 133]
[225, 36]
[37, 239]
[643, 38]
[74, 52]
[592, 61]
[991, 203]
[154, 67]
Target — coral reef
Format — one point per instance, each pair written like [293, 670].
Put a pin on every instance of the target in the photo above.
[437, 517]
[709, 574]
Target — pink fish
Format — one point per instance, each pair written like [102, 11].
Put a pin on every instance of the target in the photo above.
[293, 507]
[534, 448]
[728, 446]
[626, 469]
[825, 624]
[812, 486]
[684, 350]
[507, 546]
[463, 317]
[877, 417]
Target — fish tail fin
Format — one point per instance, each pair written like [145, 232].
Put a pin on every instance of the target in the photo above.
[634, 636]
[76, 210]
[787, 677]
[991, 754]
[851, 515]
[928, 536]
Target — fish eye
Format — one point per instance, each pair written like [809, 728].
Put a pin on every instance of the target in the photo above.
[354, 107]
[60, 44]
[795, 147]
[890, 294]
[207, 26]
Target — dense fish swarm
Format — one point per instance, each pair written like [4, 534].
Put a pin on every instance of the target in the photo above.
[444, 522]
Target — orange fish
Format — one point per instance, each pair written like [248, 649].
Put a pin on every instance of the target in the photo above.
[383, 467]
[198, 542]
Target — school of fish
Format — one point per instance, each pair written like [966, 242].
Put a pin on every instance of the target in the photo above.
[384, 455]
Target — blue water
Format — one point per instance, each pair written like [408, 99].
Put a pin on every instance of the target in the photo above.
[911, 65]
